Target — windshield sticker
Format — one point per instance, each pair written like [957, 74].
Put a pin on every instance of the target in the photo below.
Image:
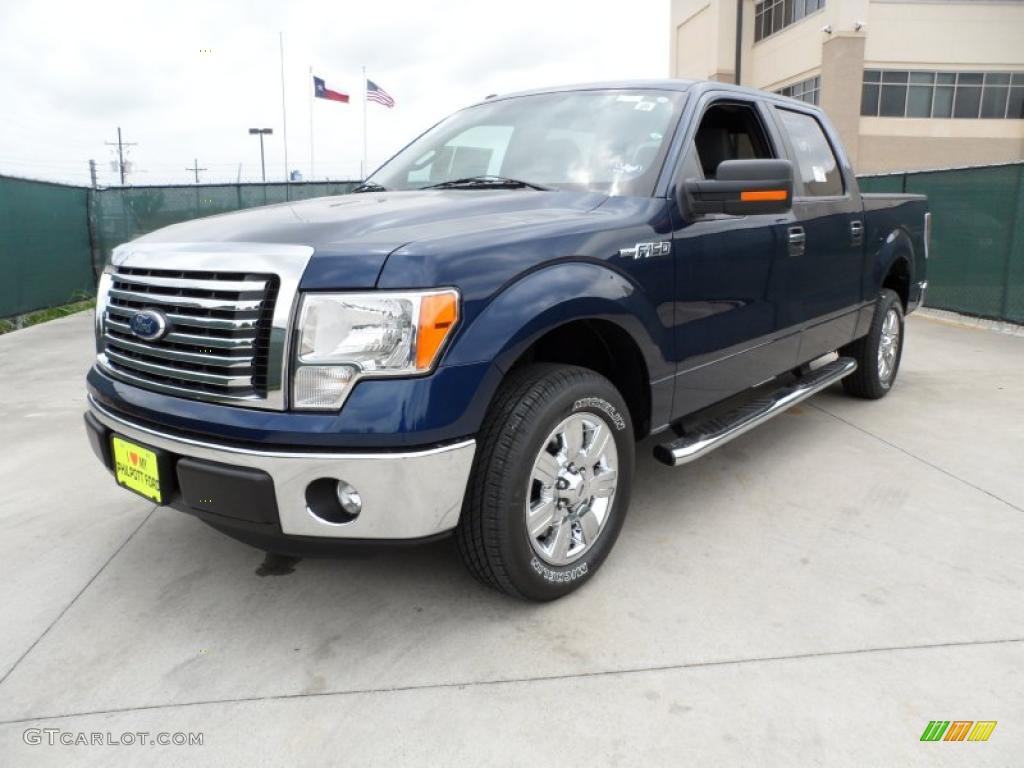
[630, 97]
[645, 106]
[819, 173]
[627, 168]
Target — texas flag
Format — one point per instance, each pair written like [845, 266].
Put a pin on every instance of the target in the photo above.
[321, 91]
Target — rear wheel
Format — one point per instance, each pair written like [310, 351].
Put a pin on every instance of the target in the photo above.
[877, 354]
[550, 483]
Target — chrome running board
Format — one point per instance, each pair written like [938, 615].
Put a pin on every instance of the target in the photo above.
[716, 432]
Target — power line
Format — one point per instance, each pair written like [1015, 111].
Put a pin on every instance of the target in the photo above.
[120, 151]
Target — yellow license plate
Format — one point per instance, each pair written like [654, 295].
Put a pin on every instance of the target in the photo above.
[136, 468]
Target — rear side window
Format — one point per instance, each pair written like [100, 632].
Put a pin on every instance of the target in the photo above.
[729, 132]
[815, 159]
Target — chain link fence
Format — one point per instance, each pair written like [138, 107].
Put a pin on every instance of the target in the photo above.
[54, 238]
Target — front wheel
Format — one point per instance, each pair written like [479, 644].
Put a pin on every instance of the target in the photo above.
[550, 483]
[878, 354]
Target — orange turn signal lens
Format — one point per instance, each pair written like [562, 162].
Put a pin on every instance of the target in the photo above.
[439, 313]
[761, 195]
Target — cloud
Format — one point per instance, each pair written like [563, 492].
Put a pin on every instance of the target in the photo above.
[187, 79]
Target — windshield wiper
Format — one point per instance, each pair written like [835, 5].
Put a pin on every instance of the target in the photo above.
[488, 181]
[369, 186]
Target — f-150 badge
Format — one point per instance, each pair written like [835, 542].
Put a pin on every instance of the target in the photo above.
[646, 250]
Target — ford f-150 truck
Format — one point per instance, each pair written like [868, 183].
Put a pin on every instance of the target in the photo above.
[475, 341]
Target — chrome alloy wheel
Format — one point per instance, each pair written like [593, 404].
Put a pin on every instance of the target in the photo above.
[888, 346]
[571, 488]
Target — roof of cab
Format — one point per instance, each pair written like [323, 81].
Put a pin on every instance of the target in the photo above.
[653, 85]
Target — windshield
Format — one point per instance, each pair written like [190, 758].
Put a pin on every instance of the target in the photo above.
[611, 141]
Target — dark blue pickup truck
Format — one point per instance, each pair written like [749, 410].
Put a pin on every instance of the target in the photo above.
[474, 343]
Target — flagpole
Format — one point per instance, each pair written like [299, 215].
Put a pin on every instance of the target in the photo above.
[284, 112]
[363, 170]
[309, 84]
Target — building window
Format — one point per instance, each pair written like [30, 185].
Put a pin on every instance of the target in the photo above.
[806, 90]
[899, 93]
[771, 16]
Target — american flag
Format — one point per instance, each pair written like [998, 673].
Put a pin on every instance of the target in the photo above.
[375, 93]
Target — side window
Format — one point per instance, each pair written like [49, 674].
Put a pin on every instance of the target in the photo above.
[730, 132]
[815, 159]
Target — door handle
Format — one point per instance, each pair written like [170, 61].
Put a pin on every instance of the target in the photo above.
[856, 232]
[797, 241]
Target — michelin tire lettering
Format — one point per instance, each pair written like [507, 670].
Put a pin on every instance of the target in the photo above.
[577, 572]
[602, 405]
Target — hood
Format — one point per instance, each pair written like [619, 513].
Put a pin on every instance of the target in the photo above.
[352, 235]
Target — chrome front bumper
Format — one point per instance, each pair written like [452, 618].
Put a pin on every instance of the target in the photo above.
[408, 495]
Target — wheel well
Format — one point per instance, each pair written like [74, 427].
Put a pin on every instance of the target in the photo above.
[898, 279]
[603, 347]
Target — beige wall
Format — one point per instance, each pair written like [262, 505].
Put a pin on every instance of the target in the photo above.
[842, 68]
[702, 44]
[884, 154]
[907, 34]
[695, 44]
[938, 34]
[793, 54]
[979, 33]
[908, 144]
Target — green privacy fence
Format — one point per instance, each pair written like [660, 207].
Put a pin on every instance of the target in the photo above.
[977, 255]
[119, 214]
[54, 238]
[45, 253]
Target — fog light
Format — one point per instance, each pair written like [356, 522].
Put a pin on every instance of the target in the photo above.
[322, 387]
[333, 501]
[349, 498]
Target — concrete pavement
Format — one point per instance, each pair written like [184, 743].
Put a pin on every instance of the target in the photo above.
[813, 594]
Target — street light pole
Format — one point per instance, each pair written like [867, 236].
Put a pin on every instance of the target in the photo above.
[261, 132]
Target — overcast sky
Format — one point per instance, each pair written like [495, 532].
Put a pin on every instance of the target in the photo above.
[72, 72]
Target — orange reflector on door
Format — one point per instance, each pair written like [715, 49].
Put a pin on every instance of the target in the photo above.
[763, 195]
[439, 313]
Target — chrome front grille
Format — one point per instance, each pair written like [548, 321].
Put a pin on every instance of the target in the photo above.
[229, 309]
[218, 331]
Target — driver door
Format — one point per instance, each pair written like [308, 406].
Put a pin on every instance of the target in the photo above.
[730, 270]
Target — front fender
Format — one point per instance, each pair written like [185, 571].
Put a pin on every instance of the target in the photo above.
[555, 295]
[543, 300]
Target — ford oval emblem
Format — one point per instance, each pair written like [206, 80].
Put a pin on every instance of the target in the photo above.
[149, 324]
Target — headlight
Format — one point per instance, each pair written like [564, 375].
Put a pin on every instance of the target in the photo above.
[102, 288]
[347, 336]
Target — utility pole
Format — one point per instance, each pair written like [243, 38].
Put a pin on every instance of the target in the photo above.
[261, 132]
[196, 169]
[284, 113]
[120, 151]
[92, 173]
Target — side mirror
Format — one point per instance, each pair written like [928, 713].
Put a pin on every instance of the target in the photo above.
[741, 188]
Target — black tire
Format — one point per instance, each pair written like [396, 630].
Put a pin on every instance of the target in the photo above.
[867, 381]
[492, 535]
